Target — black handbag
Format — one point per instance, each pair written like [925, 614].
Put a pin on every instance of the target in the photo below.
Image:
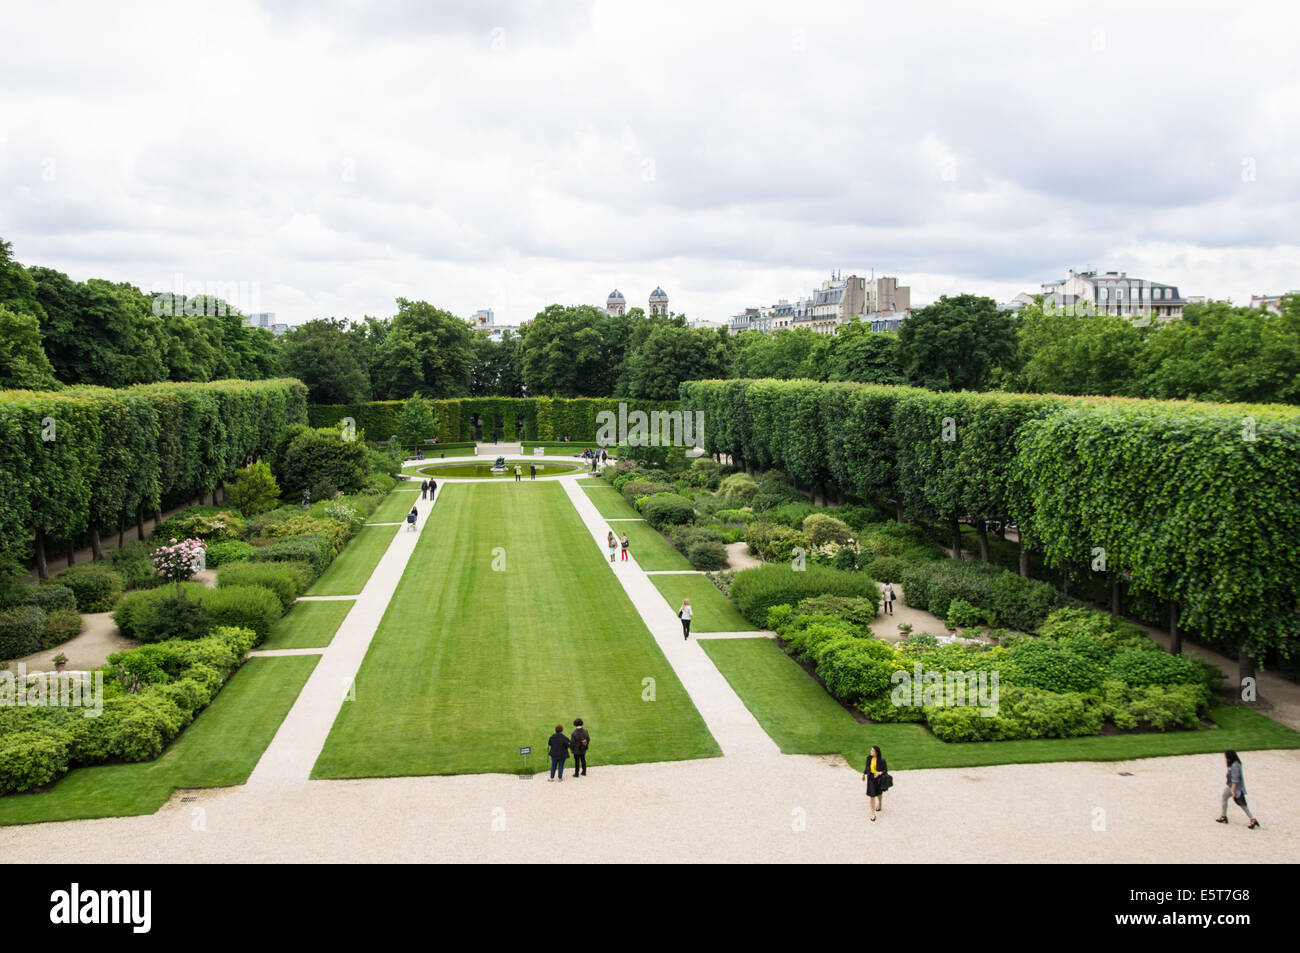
[886, 781]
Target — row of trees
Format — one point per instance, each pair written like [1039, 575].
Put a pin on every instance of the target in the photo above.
[1194, 504]
[88, 460]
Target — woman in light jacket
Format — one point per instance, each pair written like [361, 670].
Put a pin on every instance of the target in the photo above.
[1235, 788]
[612, 541]
[684, 613]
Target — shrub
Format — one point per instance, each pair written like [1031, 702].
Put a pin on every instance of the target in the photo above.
[31, 759]
[686, 535]
[254, 489]
[934, 585]
[61, 625]
[707, 555]
[49, 596]
[172, 615]
[1054, 667]
[1137, 668]
[321, 456]
[634, 489]
[315, 550]
[854, 669]
[923, 639]
[229, 551]
[178, 561]
[757, 590]
[773, 542]
[288, 580]
[886, 568]
[738, 517]
[821, 529]
[738, 489]
[305, 523]
[203, 523]
[791, 514]
[857, 516]
[95, 587]
[963, 615]
[1021, 603]
[21, 630]
[134, 608]
[133, 564]
[246, 607]
[858, 613]
[662, 509]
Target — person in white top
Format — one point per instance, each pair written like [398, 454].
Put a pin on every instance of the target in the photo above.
[684, 613]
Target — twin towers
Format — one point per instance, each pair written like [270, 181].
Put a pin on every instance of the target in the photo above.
[617, 304]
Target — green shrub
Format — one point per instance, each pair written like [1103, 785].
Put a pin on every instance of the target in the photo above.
[228, 551]
[205, 523]
[133, 564]
[21, 630]
[822, 529]
[857, 516]
[791, 514]
[934, 585]
[313, 458]
[61, 625]
[738, 489]
[707, 555]
[1054, 667]
[923, 639]
[1021, 603]
[735, 517]
[315, 550]
[963, 615]
[1137, 668]
[288, 580]
[858, 613]
[686, 535]
[172, 615]
[134, 609]
[757, 590]
[663, 509]
[886, 568]
[254, 489]
[31, 759]
[855, 669]
[49, 596]
[246, 607]
[773, 542]
[634, 489]
[94, 586]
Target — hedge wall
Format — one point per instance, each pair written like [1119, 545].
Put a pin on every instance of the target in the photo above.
[91, 458]
[1195, 504]
[515, 418]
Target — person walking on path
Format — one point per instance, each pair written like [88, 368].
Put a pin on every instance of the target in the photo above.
[604, 458]
[887, 598]
[433, 488]
[559, 748]
[411, 517]
[579, 741]
[1235, 788]
[612, 540]
[532, 471]
[872, 773]
[684, 613]
[519, 473]
[625, 545]
[424, 488]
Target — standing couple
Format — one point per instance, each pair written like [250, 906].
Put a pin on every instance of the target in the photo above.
[560, 746]
[614, 542]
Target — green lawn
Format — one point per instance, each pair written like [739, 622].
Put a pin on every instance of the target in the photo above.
[714, 612]
[801, 718]
[220, 748]
[396, 504]
[347, 575]
[609, 502]
[469, 664]
[649, 548]
[308, 625]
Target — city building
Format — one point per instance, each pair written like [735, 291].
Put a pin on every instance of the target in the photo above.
[1114, 292]
[658, 302]
[838, 301]
[265, 319]
[615, 304]
[1018, 303]
[1270, 302]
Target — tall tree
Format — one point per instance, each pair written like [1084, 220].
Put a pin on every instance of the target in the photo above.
[567, 352]
[23, 363]
[426, 351]
[319, 353]
[957, 343]
[670, 355]
[857, 353]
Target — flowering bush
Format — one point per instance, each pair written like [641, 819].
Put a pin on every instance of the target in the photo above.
[179, 561]
[348, 515]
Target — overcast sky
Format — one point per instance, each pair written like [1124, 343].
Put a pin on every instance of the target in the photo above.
[326, 157]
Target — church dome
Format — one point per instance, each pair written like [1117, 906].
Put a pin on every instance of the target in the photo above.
[658, 295]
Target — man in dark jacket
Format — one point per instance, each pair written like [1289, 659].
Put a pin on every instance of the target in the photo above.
[559, 747]
[579, 741]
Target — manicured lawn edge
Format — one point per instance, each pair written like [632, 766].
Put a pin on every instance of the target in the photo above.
[714, 612]
[351, 569]
[309, 625]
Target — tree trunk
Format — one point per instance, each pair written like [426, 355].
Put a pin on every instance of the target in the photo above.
[819, 495]
[72, 551]
[1024, 559]
[96, 548]
[984, 541]
[42, 568]
[1245, 669]
[1114, 594]
[139, 523]
[1175, 637]
[956, 537]
[121, 534]
[898, 510]
[157, 517]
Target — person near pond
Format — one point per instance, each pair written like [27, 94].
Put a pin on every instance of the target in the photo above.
[872, 773]
[625, 545]
[612, 540]
[411, 517]
[1235, 788]
[519, 473]
[887, 598]
[604, 458]
[532, 471]
[559, 750]
[579, 742]
[684, 613]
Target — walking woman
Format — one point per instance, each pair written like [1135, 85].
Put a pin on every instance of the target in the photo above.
[684, 613]
[872, 773]
[411, 517]
[625, 544]
[1235, 788]
[612, 540]
[424, 489]
[888, 598]
[559, 748]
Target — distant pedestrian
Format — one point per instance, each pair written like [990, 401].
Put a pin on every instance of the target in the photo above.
[1235, 788]
[519, 473]
[424, 488]
[604, 458]
[559, 748]
[887, 597]
[873, 773]
[594, 463]
[684, 613]
[411, 517]
[625, 545]
[433, 488]
[532, 471]
[579, 741]
[612, 540]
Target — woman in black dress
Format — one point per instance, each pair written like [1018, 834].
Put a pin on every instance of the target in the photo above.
[871, 773]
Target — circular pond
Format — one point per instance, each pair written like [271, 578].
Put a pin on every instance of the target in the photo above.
[546, 466]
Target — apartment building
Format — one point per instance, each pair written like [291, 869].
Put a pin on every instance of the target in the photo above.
[839, 300]
[1114, 292]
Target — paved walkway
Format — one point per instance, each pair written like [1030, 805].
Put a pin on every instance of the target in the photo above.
[732, 726]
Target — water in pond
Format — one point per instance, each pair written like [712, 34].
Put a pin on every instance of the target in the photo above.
[479, 471]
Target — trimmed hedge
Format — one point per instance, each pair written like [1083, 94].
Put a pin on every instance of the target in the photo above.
[288, 580]
[313, 549]
[94, 586]
[757, 590]
[21, 630]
